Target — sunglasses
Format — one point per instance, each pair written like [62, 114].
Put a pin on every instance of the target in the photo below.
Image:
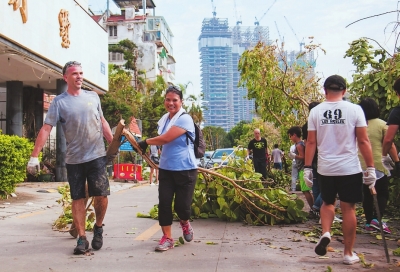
[69, 64]
[176, 88]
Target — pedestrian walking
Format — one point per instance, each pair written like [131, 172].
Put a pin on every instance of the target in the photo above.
[315, 211]
[259, 149]
[276, 157]
[376, 132]
[81, 117]
[155, 151]
[298, 155]
[336, 127]
[177, 168]
[295, 173]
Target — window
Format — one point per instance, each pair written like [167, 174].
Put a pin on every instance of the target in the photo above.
[112, 30]
[114, 56]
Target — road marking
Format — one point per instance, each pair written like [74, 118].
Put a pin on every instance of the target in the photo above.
[124, 190]
[30, 214]
[147, 234]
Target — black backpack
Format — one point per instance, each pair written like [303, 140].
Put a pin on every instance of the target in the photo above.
[199, 143]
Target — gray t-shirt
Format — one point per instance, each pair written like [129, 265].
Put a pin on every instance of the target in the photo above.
[80, 119]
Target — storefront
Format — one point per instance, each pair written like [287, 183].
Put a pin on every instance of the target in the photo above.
[36, 39]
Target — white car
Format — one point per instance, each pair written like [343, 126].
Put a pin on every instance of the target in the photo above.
[220, 156]
[207, 156]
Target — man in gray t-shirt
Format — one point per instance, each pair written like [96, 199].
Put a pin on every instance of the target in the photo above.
[81, 118]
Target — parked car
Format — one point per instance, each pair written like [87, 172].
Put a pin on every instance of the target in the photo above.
[202, 161]
[220, 156]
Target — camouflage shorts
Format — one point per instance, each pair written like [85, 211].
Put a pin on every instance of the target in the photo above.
[94, 172]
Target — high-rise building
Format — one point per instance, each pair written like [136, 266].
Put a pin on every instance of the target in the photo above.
[220, 48]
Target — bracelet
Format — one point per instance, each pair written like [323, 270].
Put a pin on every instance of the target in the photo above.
[307, 166]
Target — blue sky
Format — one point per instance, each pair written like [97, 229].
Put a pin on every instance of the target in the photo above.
[324, 20]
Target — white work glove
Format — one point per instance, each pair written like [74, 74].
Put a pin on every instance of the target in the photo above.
[33, 166]
[308, 177]
[387, 162]
[369, 177]
[292, 155]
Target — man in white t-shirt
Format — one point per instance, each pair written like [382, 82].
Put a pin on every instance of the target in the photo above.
[336, 127]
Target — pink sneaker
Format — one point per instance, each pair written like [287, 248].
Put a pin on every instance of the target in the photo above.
[165, 244]
[375, 224]
[369, 228]
[187, 231]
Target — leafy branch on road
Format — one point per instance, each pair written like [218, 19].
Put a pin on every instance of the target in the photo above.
[236, 193]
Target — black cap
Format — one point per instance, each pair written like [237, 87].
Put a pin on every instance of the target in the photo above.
[335, 82]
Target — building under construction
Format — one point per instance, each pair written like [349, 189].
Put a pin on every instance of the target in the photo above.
[220, 48]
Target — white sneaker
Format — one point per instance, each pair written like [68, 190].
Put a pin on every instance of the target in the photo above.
[351, 259]
[152, 184]
[337, 219]
[322, 244]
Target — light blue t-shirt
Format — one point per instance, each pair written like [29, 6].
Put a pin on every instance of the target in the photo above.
[178, 154]
[80, 119]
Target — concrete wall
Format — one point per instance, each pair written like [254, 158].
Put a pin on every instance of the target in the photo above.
[41, 35]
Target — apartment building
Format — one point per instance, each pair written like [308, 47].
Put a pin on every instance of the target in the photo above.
[151, 34]
[220, 48]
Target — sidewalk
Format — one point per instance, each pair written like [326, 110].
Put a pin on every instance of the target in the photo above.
[36, 196]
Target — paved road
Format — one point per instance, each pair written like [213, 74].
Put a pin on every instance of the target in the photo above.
[28, 242]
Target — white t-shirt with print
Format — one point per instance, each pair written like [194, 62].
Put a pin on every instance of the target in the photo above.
[335, 125]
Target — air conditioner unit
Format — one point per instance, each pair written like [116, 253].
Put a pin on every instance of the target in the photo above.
[130, 26]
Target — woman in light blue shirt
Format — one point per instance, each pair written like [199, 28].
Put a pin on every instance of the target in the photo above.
[177, 168]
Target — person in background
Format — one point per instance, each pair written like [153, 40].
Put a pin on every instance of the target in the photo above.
[276, 157]
[295, 173]
[336, 127]
[177, 168]
[393, 126]
[81, 117]
[376, 132]
[298, 155]
[315, 211]
[154, 156]
[258, 148]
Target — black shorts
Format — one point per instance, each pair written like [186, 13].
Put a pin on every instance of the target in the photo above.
[94, 172]
[349, 188]
[156, 160]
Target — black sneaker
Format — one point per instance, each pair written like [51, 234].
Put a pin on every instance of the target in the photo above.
[313, 214]
[97, 241]
[82, 246]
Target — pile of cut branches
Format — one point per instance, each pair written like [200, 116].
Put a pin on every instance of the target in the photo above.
[236, 193]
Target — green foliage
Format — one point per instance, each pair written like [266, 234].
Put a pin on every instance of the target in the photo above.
[128, 49]
[280, 178]
[14, 156]
[281, 90]
[65, 218]
[215, 137]
[376, 72]
[114, 111]
[268, 131]
[236, 133]
[394, 191]
[152, 108]
[235, 193]
[234, 202]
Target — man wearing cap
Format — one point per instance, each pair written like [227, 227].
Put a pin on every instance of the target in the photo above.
[336, 127]
[81, 118]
